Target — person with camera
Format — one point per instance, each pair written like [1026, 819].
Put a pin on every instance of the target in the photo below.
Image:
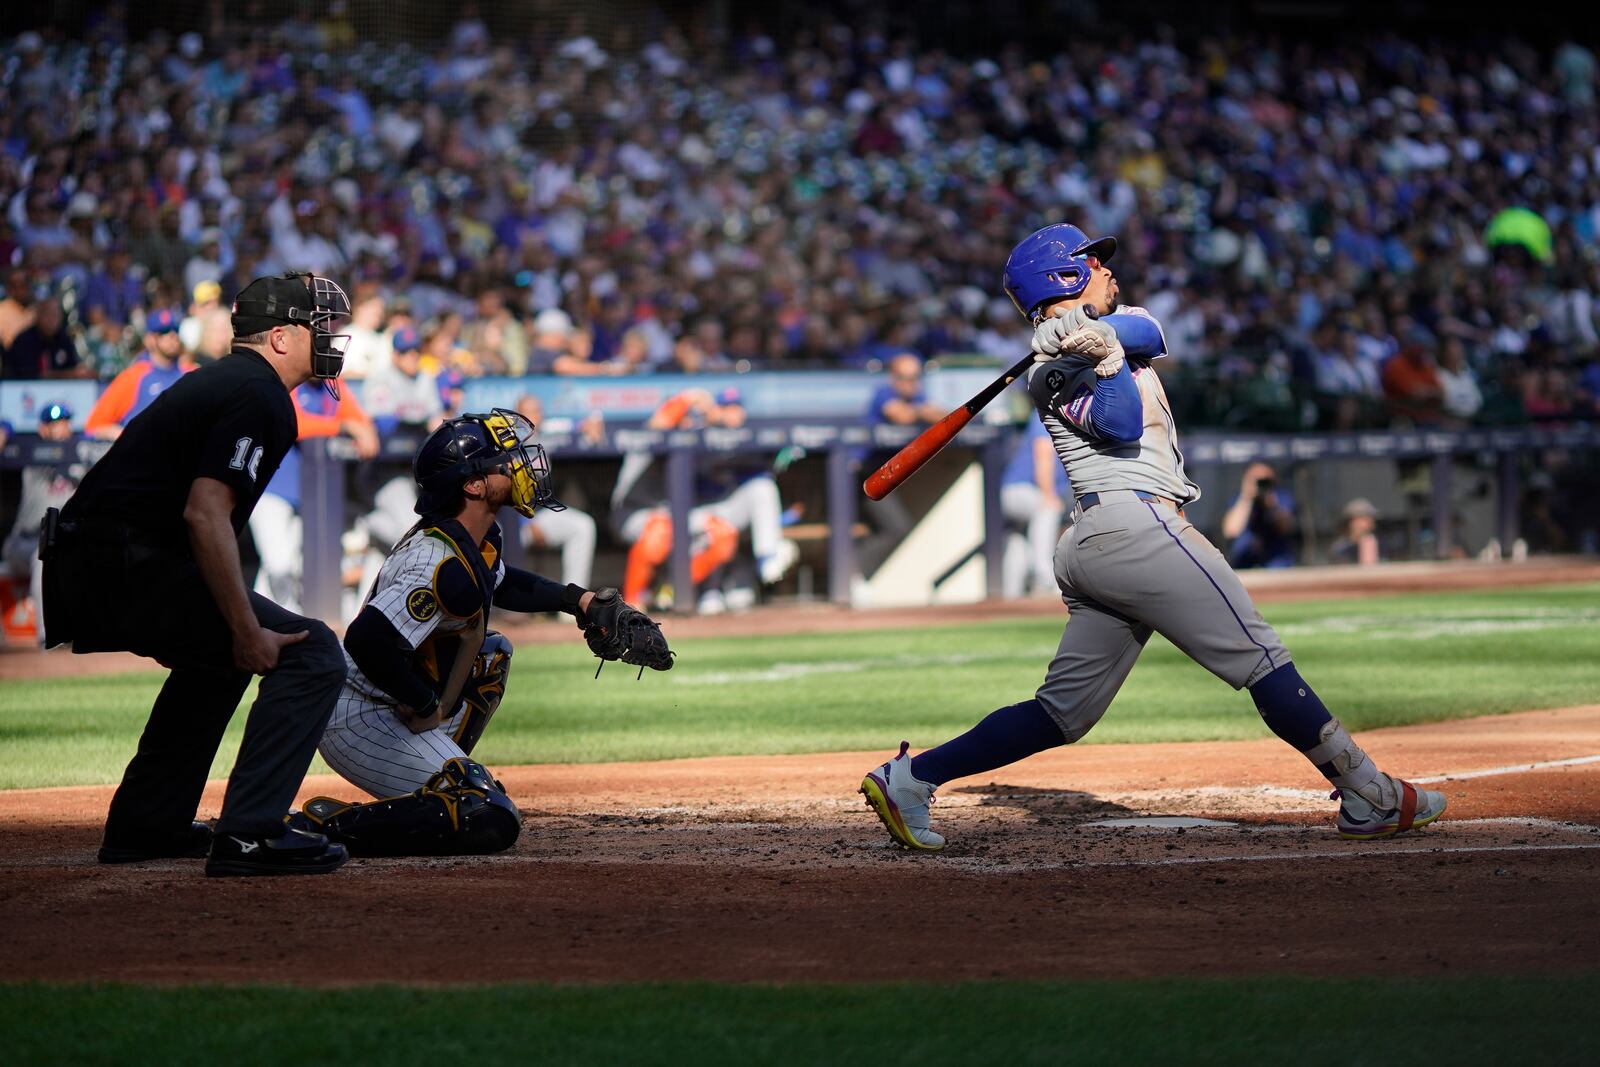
[1260, 526]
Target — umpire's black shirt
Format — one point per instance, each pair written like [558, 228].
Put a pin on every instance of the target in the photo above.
[231, 420]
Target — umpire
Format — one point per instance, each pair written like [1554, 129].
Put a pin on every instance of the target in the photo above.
[145, 558]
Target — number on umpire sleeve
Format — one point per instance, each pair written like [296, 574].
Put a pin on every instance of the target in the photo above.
[241, 448]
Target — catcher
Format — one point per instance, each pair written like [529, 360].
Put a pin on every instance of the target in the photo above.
[424, 674]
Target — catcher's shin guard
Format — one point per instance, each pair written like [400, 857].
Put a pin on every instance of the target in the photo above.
[461, 811]
[483, 691]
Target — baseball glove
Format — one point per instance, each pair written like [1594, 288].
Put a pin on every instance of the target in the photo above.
[616, 629]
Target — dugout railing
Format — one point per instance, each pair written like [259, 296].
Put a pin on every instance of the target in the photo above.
[840, 443]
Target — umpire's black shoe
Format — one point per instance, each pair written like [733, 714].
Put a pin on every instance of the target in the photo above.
[291, 852]
[191, 844]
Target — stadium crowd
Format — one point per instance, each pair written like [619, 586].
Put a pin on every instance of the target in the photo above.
[1334, 236]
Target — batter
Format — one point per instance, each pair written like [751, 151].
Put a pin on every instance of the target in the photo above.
[1130, 564]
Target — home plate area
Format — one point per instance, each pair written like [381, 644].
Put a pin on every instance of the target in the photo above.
[1003, 828]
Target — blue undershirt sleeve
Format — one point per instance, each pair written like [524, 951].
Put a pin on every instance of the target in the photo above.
[1139, 334]
[1116, 412]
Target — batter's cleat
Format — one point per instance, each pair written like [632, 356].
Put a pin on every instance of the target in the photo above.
[1359, 820]
[290, 852]
[191, 844]
[901, 802]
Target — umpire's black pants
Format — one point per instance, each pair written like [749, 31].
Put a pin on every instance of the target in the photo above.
[160, 607]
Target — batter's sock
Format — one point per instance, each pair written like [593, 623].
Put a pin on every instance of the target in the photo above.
[1290, 708]
[1004, 737]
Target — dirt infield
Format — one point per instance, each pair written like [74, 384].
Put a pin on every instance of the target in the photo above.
[771, 869]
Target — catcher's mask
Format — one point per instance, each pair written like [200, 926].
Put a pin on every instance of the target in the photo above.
[473, 445]
[298, 298]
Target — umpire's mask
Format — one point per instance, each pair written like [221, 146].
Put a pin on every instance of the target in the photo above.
[299, 298]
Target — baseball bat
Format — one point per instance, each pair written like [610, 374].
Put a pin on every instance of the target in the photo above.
[906, 462]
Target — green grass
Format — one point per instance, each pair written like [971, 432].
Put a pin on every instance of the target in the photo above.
[1377, 662]
[1259, 1020]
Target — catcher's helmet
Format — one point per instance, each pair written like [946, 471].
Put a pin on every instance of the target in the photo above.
[472, 445]
[1052, 264]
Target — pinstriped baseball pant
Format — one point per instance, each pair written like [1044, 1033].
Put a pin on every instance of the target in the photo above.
[366, 745]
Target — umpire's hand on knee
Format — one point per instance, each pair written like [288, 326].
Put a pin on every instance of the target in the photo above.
[257, 651]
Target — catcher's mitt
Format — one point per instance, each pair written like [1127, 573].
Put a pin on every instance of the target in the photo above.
[616, 629]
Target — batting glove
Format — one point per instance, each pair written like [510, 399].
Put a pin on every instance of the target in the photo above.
[1049, 334]
[1099, 342]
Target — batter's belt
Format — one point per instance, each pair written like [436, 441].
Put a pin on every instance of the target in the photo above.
[1113, 496]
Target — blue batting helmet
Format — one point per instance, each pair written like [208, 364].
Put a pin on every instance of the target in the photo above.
[1052, 264]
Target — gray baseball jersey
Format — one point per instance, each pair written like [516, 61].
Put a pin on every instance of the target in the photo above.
[1130, 565]
[1095, 462]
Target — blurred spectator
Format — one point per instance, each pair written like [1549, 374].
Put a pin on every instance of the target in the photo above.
[453, 392]
[570, 530]
[45, 349]
[369, 349]
[158, 366]
[43, 486]
[400, 396]
[1357, 542]
[898, 402]
[404, 393]
[1589, 389]
[1549, 388]
[155, 244]
[1458, 384]
[206, 264]
[275, 523]
[858, 191]
[113, 294]
[442, 351]
[1033, 494]
[16, 310]
[1260, 525]
[495, 337]
[1349, 381]
[1411, 385]
[555, 347]
[207, 297]
[216, 335]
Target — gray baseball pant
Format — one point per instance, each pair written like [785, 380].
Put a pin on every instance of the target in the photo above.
[1129, 567]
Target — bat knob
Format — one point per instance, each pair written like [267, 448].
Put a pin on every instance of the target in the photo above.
[1090, 310]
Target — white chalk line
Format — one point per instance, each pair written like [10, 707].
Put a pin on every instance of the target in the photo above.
[1464, 623]
[1513, 768]
[977, 865]
[782, 672]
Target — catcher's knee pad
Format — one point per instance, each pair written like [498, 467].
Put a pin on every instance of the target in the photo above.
[485, 688]
[461, 811]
